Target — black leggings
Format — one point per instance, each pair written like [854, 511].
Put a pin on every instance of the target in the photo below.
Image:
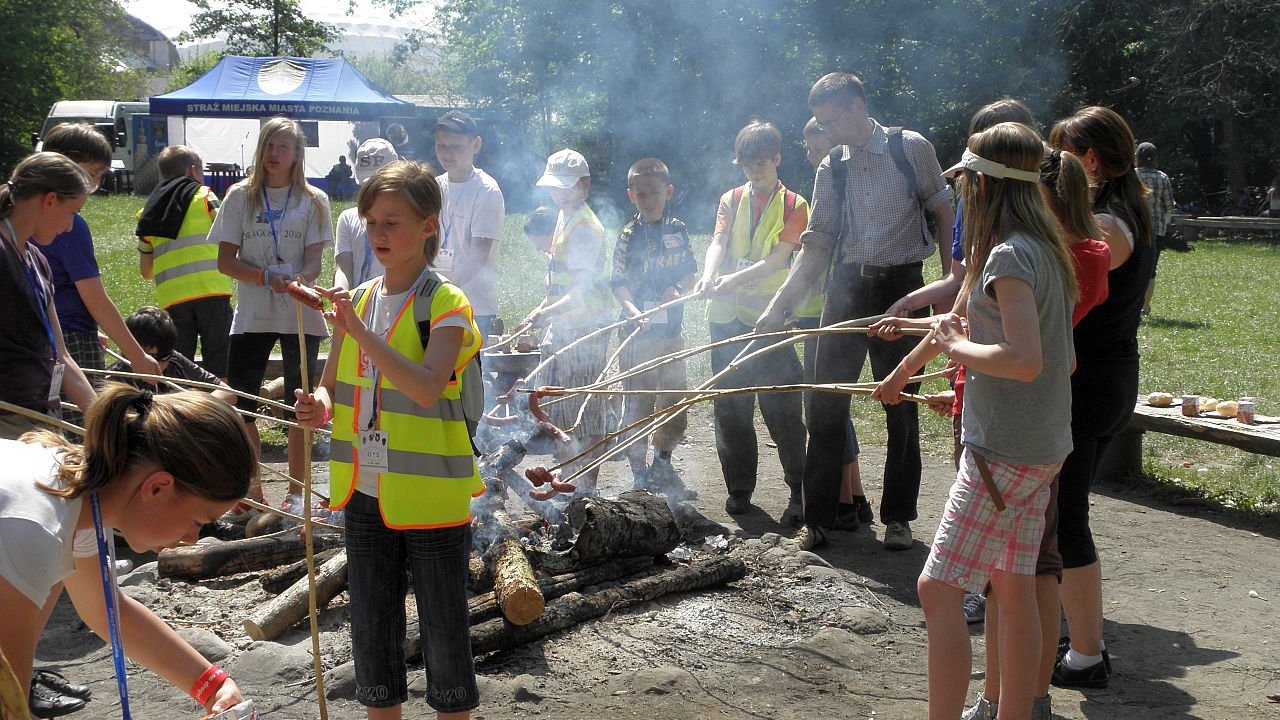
[1102, 396]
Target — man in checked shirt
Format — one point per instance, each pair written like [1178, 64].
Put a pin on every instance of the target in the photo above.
[873, 237]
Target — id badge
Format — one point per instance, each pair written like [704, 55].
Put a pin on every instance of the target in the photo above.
[444, 260]
[659, 318]
[55, 382]
[365, 365]
[373, 450]
[743, 264]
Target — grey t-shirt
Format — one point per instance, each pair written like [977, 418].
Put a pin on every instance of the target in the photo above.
[1022, 423]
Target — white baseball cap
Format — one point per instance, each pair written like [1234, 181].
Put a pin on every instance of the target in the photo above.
[564, 170]
[373, 154]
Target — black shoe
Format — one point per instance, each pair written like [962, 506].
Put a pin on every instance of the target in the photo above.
[222, 530]
[846, 518]
[793, 516]
[1096, 676]
[737, 505]
[58, 683]
[45, 703]
[1064, 644]
[866, 515]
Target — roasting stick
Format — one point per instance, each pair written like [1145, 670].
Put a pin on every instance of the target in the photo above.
[64, 425]
[307, 526]
[607, 328]
[599, 378]
[507, 339]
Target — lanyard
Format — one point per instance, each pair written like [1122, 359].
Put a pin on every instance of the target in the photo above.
[368, 321]
[368, 257]
[271, 220]
[446, 209]
[37, 289]
[107, 566]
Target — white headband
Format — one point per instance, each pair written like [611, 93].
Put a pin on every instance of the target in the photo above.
[977, 163]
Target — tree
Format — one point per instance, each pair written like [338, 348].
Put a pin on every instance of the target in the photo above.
[51, 51]
[261, 27]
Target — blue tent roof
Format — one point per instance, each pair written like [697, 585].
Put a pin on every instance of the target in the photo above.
[303, 88]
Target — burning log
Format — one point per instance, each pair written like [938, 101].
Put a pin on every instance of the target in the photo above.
[635, 524]
[514, 586]
[277, 580]
[203, 561]
[574, 608]
[272, 620]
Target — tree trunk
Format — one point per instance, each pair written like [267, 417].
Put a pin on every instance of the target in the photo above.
[272, 620]
[514, 586]
[575, 608]
[277, 580]
[635, 524]
[200, 562]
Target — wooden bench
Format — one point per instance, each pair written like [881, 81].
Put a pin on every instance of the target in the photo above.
[1191, 227]
[1124, 457]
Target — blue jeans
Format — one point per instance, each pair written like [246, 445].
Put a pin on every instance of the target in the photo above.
[377, 557]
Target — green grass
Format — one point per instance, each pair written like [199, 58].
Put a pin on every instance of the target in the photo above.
[1212, 331]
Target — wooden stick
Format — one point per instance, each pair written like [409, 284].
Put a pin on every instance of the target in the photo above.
[603, 373]
[507, 339]
[607, 328]
[312, 613]
[193, 384]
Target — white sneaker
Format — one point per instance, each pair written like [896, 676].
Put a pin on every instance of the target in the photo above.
[124, 567]
[239, 514]
[983, 709]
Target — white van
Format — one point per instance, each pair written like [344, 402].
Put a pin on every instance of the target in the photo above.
[111, 117]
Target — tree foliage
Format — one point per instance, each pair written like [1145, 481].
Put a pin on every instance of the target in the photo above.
[261, 27]
[51, 51]
[620, 79]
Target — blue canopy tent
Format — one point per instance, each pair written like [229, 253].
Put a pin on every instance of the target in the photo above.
[220, 112]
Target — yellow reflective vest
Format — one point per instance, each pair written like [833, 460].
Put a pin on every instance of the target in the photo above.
[594, 307]
[186, 267]
[431, 471]
[746, 247]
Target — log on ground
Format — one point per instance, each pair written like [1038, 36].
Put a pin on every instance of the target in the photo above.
[514, 586]
[634, 524]
[277, 580]
[199, 562]
[270, 621]
[575, 608]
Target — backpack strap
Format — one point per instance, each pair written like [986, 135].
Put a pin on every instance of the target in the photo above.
[789, 202]
[472, 391]
[899, 155]
[839, 182]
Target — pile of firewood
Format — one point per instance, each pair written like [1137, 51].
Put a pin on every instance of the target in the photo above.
[555, 565]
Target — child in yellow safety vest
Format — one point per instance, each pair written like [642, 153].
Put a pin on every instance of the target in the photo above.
[401, 462]
[758, 227]
[175, 251]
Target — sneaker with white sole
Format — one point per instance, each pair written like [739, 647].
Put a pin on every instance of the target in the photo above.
[975, 608]
[983, 709]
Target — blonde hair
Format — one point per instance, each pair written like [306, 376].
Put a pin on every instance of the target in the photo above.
[1066, 188]
[40, 173]
[195, 437]
[257, 180]
[1003, 205]
[412, 181]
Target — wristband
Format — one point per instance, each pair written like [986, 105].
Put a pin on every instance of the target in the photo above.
[324, 418]
[263, 279]
[208, 683]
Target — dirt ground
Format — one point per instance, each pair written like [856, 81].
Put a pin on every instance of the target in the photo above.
[1191, 599]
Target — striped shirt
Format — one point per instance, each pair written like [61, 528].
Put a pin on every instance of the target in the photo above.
[887, 225]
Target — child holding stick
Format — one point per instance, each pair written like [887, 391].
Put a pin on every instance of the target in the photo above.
[1018, 293]
[402, 465]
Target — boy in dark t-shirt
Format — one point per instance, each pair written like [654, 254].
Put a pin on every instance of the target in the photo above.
[652, 264]
[157, 334]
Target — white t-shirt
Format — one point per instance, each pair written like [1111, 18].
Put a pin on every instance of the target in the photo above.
[352, 237]
[380, 313]
[38, 538]
[297, 227]
[473, 209]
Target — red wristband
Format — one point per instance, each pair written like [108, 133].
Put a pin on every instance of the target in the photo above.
[208, 683]
[324, 418]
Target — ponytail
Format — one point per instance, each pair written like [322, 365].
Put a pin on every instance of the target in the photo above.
[1066, 186]
[40, 173]
[195, 437]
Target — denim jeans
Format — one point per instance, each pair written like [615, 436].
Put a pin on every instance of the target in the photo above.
[852, 293]
[437, 560]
